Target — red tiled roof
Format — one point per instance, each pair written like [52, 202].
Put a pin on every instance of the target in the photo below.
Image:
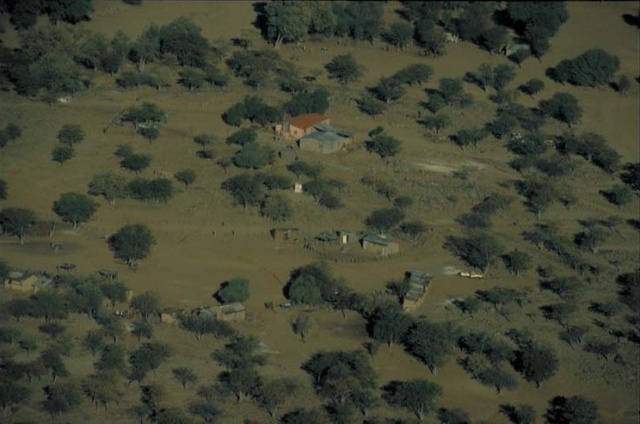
[307, 120]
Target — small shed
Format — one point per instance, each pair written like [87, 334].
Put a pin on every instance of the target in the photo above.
[512, 48]
[301, 125]
[380, 245]
[346, 236]
[325, 139]
[286, 234]
[419, 278]
[297, 188]
[27, 282]
[230, 312]
[418, 288]
[327, 237]
[108, 274]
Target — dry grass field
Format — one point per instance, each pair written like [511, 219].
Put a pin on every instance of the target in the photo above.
[188, 263]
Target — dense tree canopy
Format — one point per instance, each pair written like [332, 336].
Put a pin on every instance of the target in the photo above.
[183, 38]
[591, 68]
[287, 21]
[537, 21]
[339, 375]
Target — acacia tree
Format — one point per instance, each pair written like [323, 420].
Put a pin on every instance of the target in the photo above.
[436, 122]
[242, 352]
[61, 154]
[383, 220]
[109, 185]
[431, 342]
[536, 362]
[70, 134]
[478, 250]
[186, 177]
[383, 145]
[517, 261]
[532, 87]
[203, 140]
[418, 396]
[389, 324]
[75, 208]
[12, 395]
[132, 243]
[418, 73]
[468, 136]
[341, 376]
[344, 68]
[17, 221]
[272, 394]
[562, 106]
[147, 303]
[253, 155]
[592, 68]
[136, 162]
[277, 208]
[245, 189]
[399, 34]
[185, 376]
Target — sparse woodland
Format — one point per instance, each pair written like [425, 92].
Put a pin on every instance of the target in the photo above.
[140, 177]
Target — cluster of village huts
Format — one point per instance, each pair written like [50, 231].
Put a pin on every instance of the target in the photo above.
[30, 282]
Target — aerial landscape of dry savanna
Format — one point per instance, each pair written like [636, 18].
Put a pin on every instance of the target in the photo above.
[307, 212]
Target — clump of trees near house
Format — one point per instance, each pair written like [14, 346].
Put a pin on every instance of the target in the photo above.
[234, 290]
[253, 109]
